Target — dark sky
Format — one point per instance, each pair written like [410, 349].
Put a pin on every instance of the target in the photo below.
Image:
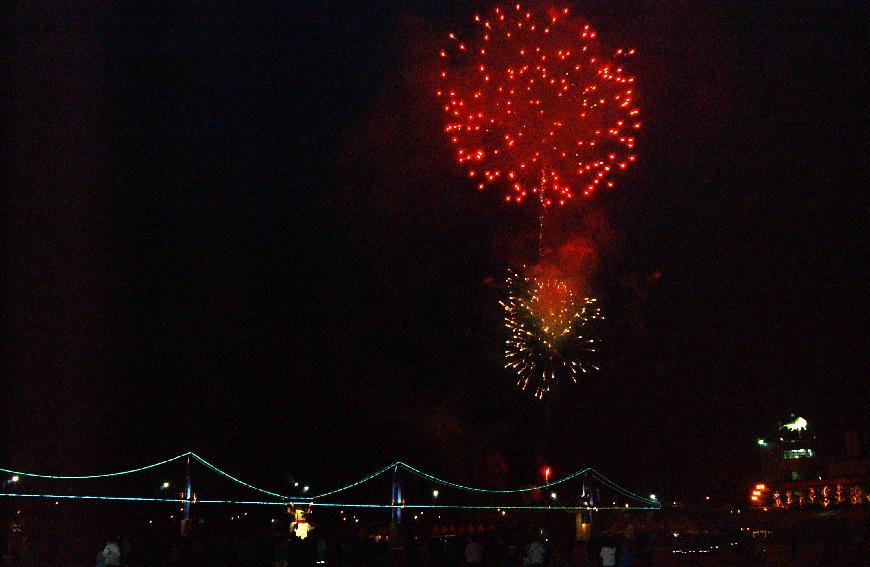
[239, 230]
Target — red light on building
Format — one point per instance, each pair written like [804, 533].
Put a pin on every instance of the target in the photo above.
[757, 496]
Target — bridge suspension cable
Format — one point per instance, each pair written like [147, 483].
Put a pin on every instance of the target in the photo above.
[316, 500]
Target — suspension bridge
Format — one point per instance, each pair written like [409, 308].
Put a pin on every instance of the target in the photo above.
[395, 486]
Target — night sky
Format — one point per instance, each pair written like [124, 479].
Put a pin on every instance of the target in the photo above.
[240, 231]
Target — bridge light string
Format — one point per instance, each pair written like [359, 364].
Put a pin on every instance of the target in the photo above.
[489, 490]
[88, 476]
[623, 491]
[478, 507]
[236, 480]
[310, 500]
[321, 504]
[304, 499]
[612, 485]
[357, 483]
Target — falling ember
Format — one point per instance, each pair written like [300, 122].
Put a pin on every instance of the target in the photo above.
[549, 328]
[538, 105]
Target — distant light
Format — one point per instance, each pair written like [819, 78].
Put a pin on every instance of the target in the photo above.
[706, 498]
[762, 443]
[305, 488]
[547, 472]
[295, 485]
[553, 495]
[15, 478]
[435, 494]
[798, 424]
[165, 485]
[798, 454]
[652, 496]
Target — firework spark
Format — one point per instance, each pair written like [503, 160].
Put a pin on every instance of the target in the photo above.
[549, 326]
[534, 103]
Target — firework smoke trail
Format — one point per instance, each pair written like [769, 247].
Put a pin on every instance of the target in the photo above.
[549, 328]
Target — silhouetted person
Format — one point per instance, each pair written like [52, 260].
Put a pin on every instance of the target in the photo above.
[112, 553]
[473, 552]
[608, 555]
[535, 554]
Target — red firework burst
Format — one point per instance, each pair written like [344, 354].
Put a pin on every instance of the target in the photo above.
[535, 104]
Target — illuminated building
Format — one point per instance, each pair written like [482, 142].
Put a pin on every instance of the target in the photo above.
[802, 472]
[792, 451]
